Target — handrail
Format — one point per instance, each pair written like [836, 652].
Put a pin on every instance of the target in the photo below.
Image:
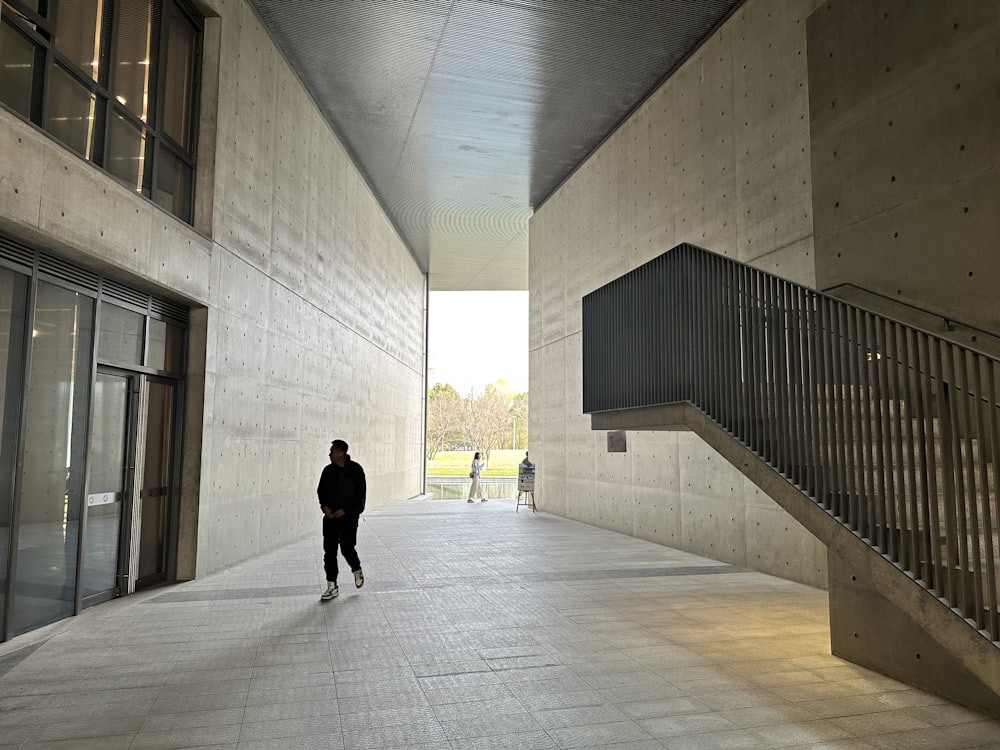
[951, 324]
[893, 430]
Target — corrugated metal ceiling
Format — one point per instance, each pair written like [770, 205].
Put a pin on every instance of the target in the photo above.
[464, 115]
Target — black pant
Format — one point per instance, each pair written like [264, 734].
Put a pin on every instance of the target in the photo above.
[342, 531]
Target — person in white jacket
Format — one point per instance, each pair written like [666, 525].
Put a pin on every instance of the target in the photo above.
[475, 489]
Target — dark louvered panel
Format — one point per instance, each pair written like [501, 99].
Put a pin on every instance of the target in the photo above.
[167, 309]
[116, 292]
[17, 255]
[68, 272]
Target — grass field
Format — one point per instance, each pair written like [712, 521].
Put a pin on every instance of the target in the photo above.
[457, 463]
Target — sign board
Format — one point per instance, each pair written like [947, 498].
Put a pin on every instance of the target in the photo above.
[616, 442]
[526, 479]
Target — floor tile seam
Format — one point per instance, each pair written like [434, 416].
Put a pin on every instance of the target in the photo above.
[763, 737]
[167, 676]
[340, 715]
[423, 689]
[246, 696]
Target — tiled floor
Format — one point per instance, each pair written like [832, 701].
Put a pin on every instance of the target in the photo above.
[478, 629]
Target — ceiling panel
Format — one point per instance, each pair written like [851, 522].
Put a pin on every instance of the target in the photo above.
[464, 115]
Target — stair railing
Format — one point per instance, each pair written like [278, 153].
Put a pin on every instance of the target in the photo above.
[890, 428]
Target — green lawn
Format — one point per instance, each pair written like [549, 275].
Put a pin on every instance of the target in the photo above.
[457, 463]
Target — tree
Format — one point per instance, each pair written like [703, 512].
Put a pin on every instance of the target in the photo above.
[519, 420]
[445, 416]
[487, 419]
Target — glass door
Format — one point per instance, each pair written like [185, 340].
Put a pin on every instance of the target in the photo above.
[155, 481]
[129, 485]
[109, 480]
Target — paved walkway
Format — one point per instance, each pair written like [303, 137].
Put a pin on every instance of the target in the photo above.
[478, 629]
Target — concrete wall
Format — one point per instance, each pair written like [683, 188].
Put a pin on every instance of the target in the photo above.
[719, 156]
[905, 119]
[308, 310]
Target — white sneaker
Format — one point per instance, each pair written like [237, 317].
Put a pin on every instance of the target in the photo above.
[331, 591]
[359, 578]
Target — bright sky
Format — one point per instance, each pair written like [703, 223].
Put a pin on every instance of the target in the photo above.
[477, 338]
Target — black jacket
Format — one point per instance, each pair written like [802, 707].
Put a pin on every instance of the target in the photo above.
[343, 488]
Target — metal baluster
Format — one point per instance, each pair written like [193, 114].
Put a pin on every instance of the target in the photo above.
[837, 405]
[909, 458]
[984, 553]
[992, 405]
[951, 473]
[865, 399]
[890, 397]
[796, 384]
[814, 417]
[934, 388]
[731, 342]
[845, 353]
[960, 394]
[968, 510]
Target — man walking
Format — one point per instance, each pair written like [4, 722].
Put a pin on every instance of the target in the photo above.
[342, 490]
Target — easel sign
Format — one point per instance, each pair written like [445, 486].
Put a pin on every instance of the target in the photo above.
[525, 487]
[526, 479]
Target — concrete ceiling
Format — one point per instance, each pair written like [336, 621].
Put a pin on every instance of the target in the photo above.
[465, 115]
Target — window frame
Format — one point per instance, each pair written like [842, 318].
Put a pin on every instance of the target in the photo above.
[39, 28]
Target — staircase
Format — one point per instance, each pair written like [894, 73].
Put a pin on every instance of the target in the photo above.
[880, 437]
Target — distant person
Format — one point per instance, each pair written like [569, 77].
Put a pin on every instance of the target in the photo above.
[476, 488]
[526, 463]
[342, 490]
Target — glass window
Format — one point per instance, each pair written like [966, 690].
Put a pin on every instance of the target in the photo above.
[118, 76]
[126, 152]
[54, 453]
[13, 301]
[180, 75]
[78, 33]
[132, 56]
[71, 112]
[19, 59]
[120, 340]
[166, 346]
[173, 184]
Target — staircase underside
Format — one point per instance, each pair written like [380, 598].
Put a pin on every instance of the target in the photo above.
[880, 617]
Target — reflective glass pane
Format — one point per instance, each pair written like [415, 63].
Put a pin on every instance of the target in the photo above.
[13, 300]
[71, 112]
[54, 452]
[166, 346]
[78, 33]
[173, 184]
[125, 153]
[17, 70]
[131, 56]
[120, 340]
[180, 62]
[105, 484]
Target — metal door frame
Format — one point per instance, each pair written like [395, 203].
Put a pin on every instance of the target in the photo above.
[173, 472]
[133, 405]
